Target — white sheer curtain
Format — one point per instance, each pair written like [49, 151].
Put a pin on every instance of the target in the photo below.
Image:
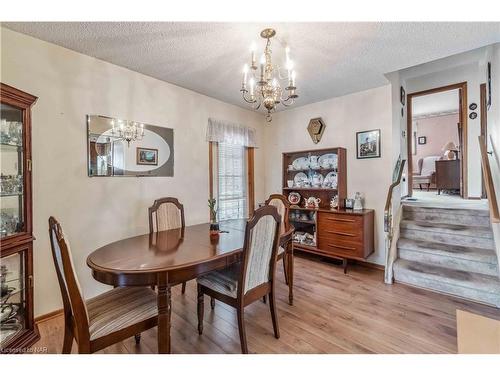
[234, 134]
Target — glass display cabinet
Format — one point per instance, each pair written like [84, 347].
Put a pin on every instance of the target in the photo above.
[17, 328]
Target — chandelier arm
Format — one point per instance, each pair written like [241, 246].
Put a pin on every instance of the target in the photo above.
[247, 100]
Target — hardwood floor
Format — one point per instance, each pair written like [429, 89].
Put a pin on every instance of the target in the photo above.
[333, 313]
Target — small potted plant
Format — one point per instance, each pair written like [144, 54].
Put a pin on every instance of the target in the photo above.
[214, 225]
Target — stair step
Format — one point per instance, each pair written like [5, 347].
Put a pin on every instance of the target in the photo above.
[449, 215]
[453, 234]
[448, 210]
[469, 285]
[456, 257]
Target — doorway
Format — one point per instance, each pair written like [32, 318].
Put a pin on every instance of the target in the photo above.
[437, 141]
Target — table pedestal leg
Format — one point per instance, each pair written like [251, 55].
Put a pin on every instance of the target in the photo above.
[164, 315]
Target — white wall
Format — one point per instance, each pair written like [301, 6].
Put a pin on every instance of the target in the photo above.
[343, 116]
[96, 211]
[459, 68]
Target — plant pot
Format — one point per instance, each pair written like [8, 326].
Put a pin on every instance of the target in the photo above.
[214, 229]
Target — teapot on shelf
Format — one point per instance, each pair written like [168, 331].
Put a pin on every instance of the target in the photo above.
[312, 202]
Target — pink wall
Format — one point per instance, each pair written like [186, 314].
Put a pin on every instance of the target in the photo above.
[439, 131]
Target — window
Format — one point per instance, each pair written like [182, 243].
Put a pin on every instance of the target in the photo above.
[232, 192]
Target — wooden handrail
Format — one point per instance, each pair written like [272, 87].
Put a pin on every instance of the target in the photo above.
[488, 181]
[393, 185]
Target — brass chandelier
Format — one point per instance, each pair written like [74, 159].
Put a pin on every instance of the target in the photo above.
[264, 87]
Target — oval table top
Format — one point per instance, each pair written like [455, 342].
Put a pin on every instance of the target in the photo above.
[168, 250]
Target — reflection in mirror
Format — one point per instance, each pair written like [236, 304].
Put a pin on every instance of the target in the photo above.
[125, 148]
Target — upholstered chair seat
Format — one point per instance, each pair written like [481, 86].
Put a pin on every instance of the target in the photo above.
[246, 282]
[106, 319]
[224, 281]
[120, 308]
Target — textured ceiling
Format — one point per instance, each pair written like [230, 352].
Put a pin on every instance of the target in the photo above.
[438, 103]
[331, 59]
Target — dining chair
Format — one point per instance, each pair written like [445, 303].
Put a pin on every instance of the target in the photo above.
[247, 281]
[104, 320]
[166, 213]
[285, 251]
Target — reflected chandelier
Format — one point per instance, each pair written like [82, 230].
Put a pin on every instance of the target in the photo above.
[264, 87]
[129, 131]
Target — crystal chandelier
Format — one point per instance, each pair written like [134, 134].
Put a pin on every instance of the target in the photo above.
[264, 87]
[129, 131]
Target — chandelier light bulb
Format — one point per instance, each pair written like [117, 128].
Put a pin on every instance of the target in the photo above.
[262, 59]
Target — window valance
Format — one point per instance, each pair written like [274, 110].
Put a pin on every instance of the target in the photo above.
[224, 132]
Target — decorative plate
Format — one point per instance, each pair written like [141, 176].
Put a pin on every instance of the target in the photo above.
[301, 180]
[294, 197]
[328, 161]
[330, 180]
[301, 163]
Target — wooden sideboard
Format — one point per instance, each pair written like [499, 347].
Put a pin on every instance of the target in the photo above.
[341, 234]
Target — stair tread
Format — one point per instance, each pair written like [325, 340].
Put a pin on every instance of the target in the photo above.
[458, 229]
[454, 210]
[476, 254]
[470, 280]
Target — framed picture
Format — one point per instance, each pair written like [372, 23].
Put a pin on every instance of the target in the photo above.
[147, 156]
[422, 140]
[368, 144]
[402, 95]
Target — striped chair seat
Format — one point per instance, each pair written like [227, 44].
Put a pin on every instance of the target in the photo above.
[224, 281]
[120, 308]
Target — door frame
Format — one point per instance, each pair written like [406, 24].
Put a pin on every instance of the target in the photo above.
[462, 97]
[484, 129]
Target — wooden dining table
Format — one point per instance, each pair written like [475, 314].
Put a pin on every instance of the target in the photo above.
[166, 258]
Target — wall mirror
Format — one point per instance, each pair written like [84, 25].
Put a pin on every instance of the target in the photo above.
[126, 148]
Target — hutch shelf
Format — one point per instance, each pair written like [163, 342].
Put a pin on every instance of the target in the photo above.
[17, 327]
[333, 233]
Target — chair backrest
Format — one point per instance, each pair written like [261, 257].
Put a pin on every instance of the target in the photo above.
[429, 165]
[260, 248]
[283, 206]
[166, 213]
[73, 302]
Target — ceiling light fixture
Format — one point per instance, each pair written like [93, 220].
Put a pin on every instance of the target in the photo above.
[264, 88]
[129, 131]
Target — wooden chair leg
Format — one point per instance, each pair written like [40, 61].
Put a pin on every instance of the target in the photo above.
[241, 329]
[285, 270]
[201, 309]
[68, 339]
[212, 303]
[290, 276]
[274, 316]
[183, 288]
[137, 338]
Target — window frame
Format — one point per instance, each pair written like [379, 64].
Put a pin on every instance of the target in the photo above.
[213, 150]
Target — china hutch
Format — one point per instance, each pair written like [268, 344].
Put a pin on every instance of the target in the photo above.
[313, 181]
[17, 327]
